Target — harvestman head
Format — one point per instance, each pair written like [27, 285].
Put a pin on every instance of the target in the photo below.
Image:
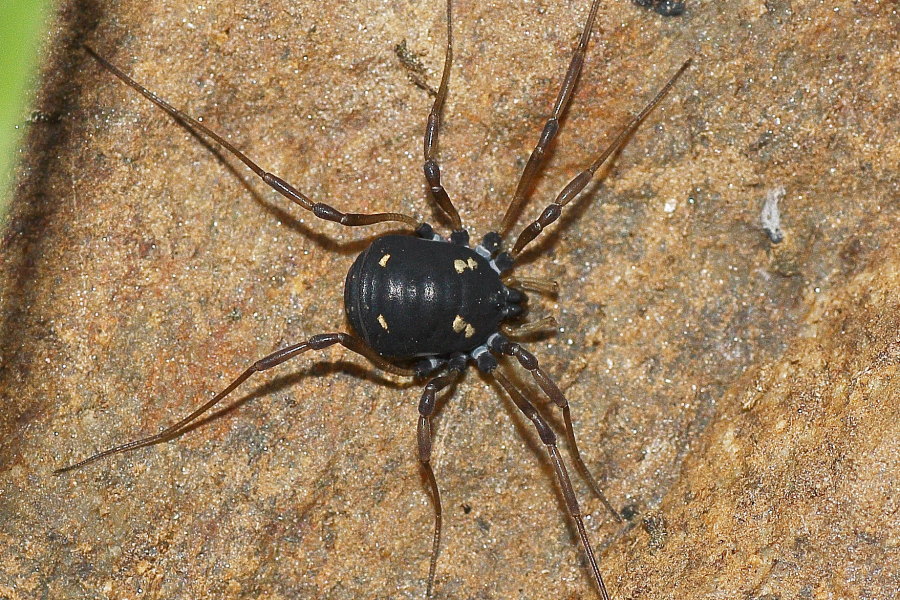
[427, 307]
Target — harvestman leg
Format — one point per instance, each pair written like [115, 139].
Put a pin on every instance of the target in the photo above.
[551, 127]
[549, 439]
[319, 209]
[426, 410]
[580, 181]
[529, 362]
[316, 342]
[432, 131]
[523, 329]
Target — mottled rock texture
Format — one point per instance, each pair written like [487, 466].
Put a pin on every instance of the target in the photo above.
[739, 399]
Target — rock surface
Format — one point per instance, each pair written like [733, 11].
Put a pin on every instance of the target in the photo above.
[738, 398]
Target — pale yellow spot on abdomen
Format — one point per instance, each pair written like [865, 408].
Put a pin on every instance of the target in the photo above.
[460, 325]
[382, 321]
[462, 265]
[383, 262]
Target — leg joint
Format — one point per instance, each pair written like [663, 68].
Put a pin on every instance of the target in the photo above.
[323, 340]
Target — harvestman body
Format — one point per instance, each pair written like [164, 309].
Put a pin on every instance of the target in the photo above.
[427, 307]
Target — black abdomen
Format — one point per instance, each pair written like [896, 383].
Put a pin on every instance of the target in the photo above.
[409, 297]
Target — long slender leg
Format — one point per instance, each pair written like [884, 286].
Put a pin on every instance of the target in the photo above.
[530, 363]
[532, 284]
[319, 209]
[549, 439]
[433, 129]
[574, 187]
[523, 329]
[426, 410]
[551, 127]
[316, 342]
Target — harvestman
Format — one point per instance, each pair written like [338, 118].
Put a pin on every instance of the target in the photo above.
[425, 306]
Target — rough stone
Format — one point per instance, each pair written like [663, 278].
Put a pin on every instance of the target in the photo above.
[737, 398]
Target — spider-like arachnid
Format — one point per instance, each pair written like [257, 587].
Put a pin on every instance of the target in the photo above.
[425, 306]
